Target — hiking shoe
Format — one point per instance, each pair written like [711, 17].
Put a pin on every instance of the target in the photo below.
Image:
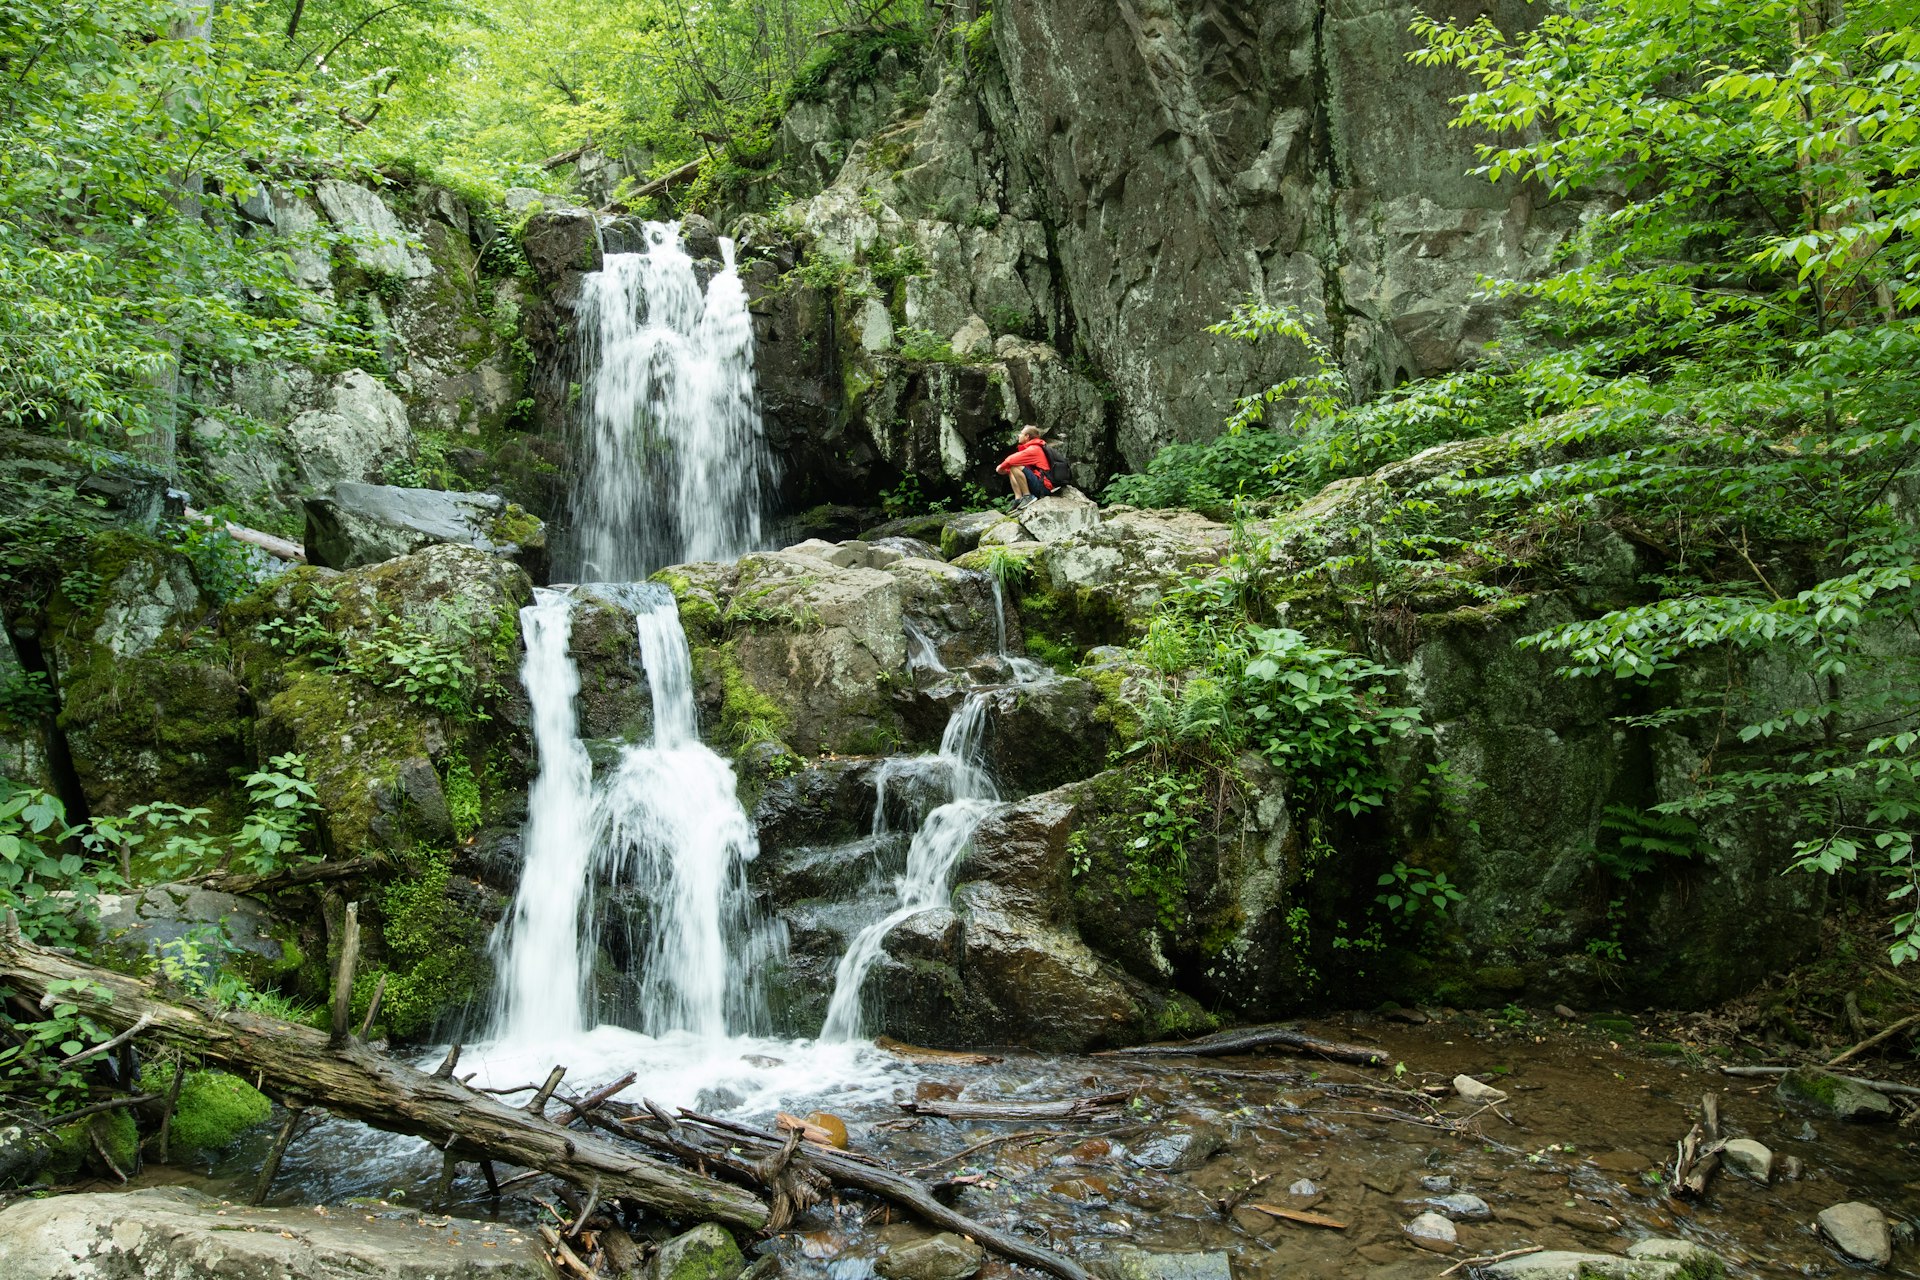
[1021, 504]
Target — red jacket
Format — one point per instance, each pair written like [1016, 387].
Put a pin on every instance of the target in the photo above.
[1029, 454]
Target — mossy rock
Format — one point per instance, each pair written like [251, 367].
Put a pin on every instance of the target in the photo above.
[431, 943]
[213, 1110]
[705, 1253]
[1833, 1095]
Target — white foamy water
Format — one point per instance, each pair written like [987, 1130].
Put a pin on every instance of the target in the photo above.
[937, 847]
[672, 455]
[542, 993]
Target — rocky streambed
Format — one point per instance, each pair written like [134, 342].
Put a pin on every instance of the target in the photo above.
[1255, 1167]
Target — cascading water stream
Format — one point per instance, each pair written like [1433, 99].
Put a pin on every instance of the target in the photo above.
[672, 462]
[672, 457]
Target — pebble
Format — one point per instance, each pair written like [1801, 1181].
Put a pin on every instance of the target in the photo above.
[1749, 1159]
[1304, 1187]
[1474, 1091]
[1791, 1168]
[1858, 1230]
[1464, 1207]
[1437, 1183]
[1431, 1229]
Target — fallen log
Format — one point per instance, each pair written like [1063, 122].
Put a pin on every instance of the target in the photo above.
[267, 542]
[237, 882]
[1252, 1039]
[917, 1053]
[1697, 1155]
[356, 1082]
[1890, 1087]
[877, 1180]
[1884, 1034]
[1069, 1109]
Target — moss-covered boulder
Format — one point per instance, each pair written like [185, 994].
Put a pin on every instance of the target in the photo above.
[150, 706]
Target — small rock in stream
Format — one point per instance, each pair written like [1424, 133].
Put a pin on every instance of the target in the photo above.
[1807, 1133]
[1430, 1230]
[1438, 1184]
[705, 1253]
[1463, 1207]
[1685, 1252]
[1179, 1149]
[1304, 1187]
[943, 1257]
[1749, 1159]
[1474, 1091]
[1858, 1230]
[1124, 1262]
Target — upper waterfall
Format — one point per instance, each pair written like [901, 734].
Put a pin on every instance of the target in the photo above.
[672, 462]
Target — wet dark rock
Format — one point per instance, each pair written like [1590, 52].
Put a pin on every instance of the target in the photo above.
[828, 802]
[1858, 1230]
[1023, 849]
[560, 242]
[1834, 1096]
[943, 1257]
[1180, 1148]
[1462, 1206]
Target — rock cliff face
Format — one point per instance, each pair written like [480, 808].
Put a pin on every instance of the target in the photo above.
[1049, 238]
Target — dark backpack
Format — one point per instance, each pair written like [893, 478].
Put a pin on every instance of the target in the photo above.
[1057, 467]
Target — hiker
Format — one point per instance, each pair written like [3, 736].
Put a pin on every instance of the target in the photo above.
[1029, 469]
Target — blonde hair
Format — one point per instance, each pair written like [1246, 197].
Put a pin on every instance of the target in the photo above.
[1029, 432]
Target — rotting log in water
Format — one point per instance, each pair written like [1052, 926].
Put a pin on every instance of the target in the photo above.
[1697, 1155]
[358, 1083]
[1892, 1088]
[776, 1151]
[1069, 1109]
[1252, 1039]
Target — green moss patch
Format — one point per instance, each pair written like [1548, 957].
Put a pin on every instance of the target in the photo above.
[213, 1109]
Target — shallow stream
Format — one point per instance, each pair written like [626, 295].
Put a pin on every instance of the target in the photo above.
[1571, 1161]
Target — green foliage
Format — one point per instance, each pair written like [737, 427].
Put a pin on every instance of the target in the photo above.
[462, 790]
[434, 949]
[1166, 809]
[37, 861]
[1414, 896]
[280, 818]
[976, 39]
[426, 665]
[1638, 843]
[1737, 342]
[131, 134]
[925, 346]
[169, 839]
[32, 1067]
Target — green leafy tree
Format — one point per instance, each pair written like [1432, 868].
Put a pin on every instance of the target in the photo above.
[1733, 331]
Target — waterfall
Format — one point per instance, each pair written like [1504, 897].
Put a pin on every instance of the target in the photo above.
[677, 834]
[947, 832]
[671, 453]
[542, 992]
[670, 470]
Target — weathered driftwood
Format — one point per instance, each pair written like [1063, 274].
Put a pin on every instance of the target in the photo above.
[1068, 1109]
[1253, 1039]
[762, 1150]
[356, 1082]
[1697, 1155]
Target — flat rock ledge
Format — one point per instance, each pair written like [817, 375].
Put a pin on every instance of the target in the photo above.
[173, 1231]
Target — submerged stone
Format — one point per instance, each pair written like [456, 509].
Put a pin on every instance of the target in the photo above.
[1858, 1230]
[943, 1257]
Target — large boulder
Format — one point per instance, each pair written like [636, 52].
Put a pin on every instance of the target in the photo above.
[380, 245]
[192, 922]
[361, 524]
[359, 429]
[173, 1231]
[150, 705]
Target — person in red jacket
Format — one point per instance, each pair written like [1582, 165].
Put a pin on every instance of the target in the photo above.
[1027, 469]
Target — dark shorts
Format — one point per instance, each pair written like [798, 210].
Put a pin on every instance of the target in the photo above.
[1038, 481]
